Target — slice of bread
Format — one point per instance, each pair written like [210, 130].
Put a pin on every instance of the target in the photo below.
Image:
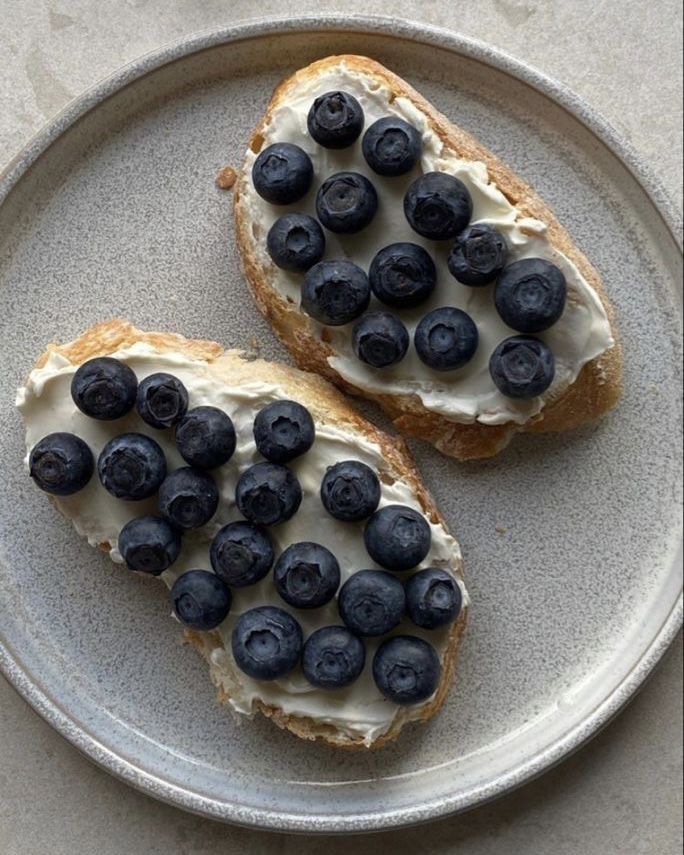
[582, 397]
[233, 376]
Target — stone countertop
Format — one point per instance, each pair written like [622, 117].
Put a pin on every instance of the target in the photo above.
[621, 794]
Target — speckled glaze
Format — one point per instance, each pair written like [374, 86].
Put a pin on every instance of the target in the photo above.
[571, 542]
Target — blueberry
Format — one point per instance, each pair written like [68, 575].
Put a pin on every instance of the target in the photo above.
[380, 339]
[438, 206]
[283, 430]
[522, 367]
[266, 642]
[205, 437]
[446, 338]
[391, 146]
[149, 544]
[406, 669]
[350, 491]
[402, 275]
[241, 554]
[104, 388]
[188, 497]
[530, 295]
[131, 466]
[295, 242]
[306, 575]
[333, 657]
[200, 599]
[61, 464]
[335, 120]
[433, 598]
[335, 292]
[397, 537]
[282, 173]
[371, 602]
[346, 202]
[478, 256]
[268, 493]
[162, 400]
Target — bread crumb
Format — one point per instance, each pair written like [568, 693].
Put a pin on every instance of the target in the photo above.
[500, 529]
[226, 178]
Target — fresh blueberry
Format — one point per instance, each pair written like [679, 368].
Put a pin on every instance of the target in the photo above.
[200, 599]
[149, 544]
[391, 146]
[104, 388]
[335, 292]
[282, 173]
[295, 242]
[522, 367]
[397, 537]
[406, 669]
[307, 575]
[438, 206]
[446, 338]
[380, 339]
[61, 464]
[371, 602]
[268, 493]
[283, 430]
[346, 202]
[402, 275]
[350, 491]
[530, 295]
[162, 400]
[188, 497]
[333, 657]
[131, 466]
[205, 437]
[433, 598]
[335, 120]
[266, 642]
[478, 256]
[241, 554]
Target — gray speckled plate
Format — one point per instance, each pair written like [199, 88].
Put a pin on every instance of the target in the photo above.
[570, 541]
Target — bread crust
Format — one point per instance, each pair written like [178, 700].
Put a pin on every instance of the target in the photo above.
[326, 404]
[598, 385]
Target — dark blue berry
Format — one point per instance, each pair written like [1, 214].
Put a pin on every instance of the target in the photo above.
[131, 466]
[335, 120]
[335, 292]
[268, 493]
[346, 202]
[241, 554]
[522, 367]
[104, 388]
[478, 256]
[371, 602]
[391, 146]
[306, 575]
[283, 430]
[332, 657]
[397, 537]
[406, 669]
[295, 242]
[350, 491]
[433, 598]
[380, 339]
[438, 206]
[205, 437]
[61, 464]
[149, 544]
[188, 497]
[200, 599]
[267, 643]
[282, 173]
[530, 295]
[162, 400]
[446, 338]
[402, 275]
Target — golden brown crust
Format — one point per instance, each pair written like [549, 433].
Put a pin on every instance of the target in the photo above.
[599, 384]
[326, 405]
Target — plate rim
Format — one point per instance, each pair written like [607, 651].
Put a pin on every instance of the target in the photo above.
[273, 819]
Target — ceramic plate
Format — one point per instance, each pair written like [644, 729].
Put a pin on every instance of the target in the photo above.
[570, 541]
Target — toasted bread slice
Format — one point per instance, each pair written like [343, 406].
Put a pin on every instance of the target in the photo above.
[589, 387]
[241, 385]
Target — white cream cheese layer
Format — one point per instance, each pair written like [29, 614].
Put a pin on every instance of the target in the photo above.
[46, 405]
[467, 394]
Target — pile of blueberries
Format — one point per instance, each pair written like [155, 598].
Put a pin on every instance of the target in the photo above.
[267, 641]
[529, 294]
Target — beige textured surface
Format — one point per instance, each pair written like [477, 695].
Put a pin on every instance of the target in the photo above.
[622, 794]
